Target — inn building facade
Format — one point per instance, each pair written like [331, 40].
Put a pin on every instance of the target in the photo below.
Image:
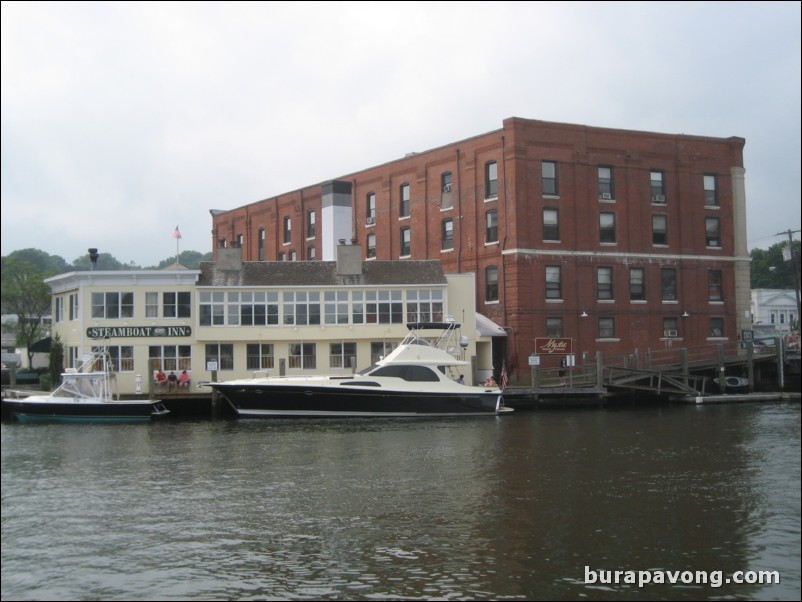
[238, 319]
[603, 240]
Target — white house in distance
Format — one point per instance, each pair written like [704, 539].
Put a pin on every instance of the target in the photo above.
[774, 306]
[242, 319]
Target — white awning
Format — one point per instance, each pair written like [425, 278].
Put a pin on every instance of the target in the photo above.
[488, 328]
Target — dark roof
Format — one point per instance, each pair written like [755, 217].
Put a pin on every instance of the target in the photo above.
[287, 274]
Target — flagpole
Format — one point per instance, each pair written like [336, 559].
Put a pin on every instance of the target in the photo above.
[177, 236]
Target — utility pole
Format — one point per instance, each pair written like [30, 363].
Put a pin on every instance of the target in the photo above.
[795, 268]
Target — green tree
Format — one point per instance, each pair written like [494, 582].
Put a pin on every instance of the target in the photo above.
[105, 262]
[44, 262]
[25, 294]
[56, 361]
[770, 270]
[188, 259]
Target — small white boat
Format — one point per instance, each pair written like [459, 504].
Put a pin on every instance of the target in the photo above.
[85, 395]
[418, 378]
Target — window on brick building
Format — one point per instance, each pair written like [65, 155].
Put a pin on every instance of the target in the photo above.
[447, 234]
[551, 224]
[668, 284]
[445, 181]
[310, 224]
[604, 284]
[716, 327]
[659, 230]
[606, 192]
[261, 244]
[657, 185]
[715, 290]
[491, 226]
[370, 209]
[553, 284]
[606, 328]
[712, 232]
[670, 327]
[403, 210]
[406, 242]
[711, 190]
[549, 179]
[287, 230]
[554, 327]
[491, 283]
[607, 228]
[491, 180]
[371, 251]
[637, 284]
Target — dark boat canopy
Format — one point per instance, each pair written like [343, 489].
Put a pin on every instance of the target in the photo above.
[41, 346]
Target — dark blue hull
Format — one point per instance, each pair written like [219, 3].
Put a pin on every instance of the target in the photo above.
[294, 401]
[118, 411]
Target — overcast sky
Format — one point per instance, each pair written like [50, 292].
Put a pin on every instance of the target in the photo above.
[121, 121]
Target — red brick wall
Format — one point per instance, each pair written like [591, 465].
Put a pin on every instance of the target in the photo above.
[518, 150]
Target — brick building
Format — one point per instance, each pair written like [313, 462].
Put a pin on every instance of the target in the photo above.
[603, 240]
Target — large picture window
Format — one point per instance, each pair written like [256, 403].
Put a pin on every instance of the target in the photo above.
[259, 356]
[302, 356]
[171, 358]
[177, 305]
[222, 354]
[301, 308]
[112, 306]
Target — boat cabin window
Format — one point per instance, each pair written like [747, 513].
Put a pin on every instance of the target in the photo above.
[408, 373]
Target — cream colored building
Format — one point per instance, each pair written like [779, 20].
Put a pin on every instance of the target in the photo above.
[234, 319]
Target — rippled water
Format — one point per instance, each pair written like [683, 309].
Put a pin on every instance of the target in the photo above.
[483, 508]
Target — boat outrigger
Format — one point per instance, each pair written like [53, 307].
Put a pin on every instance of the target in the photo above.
[84, 395]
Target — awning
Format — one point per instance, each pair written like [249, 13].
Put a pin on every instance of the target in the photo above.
[488, 328]
[41, 346]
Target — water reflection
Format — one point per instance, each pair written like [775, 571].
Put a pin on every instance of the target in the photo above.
[482, 508]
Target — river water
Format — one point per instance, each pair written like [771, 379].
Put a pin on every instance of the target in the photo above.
[539, 505]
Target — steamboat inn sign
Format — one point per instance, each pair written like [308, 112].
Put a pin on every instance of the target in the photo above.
[108, 332]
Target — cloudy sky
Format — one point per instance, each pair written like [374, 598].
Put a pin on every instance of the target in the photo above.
[121, 121]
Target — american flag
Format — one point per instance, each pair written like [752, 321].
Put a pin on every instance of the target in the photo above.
[504, 378]
[176, 233]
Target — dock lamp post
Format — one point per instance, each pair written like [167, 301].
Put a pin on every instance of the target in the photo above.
[93, 257]
[789, 254]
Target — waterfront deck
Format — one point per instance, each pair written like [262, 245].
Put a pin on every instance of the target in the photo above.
[673, 373]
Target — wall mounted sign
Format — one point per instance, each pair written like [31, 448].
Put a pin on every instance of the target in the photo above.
[553, 346]
[108, 332]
